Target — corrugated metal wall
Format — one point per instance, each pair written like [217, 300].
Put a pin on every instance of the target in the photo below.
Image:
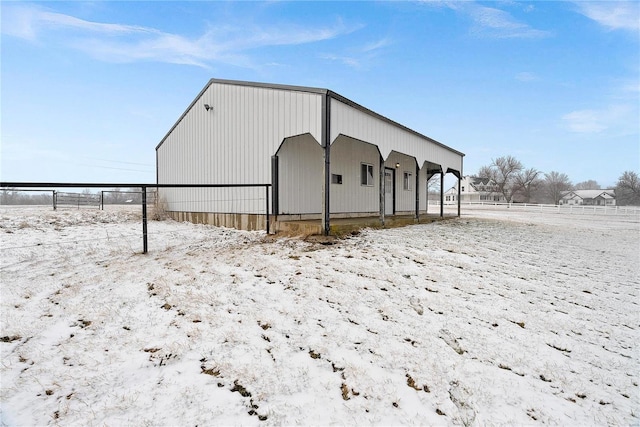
[352, 122]
[405, 199]
[347, 156]
[300, 165]
[232, 143]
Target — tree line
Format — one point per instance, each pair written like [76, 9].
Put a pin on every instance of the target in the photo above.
[529, 185]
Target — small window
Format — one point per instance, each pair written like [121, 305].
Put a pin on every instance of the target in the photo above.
[462, 190]
[336, 179]
[366, 174]
[407, 181]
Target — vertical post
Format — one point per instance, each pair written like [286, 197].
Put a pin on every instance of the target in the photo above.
[326, 182]
[417, 192]
[144, 220]
[381, 185]
[55, 200]
[102, 200]
[459, 192]
[441, 194]
[266, 197]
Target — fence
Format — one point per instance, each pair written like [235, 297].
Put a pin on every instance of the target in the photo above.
[566, 209]
[143, 190]
[76, 200]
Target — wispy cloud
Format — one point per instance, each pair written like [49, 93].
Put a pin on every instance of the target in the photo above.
[376, 45]
[346, 60]
[358, 57]
[618, 118]
[624, 15]
[130, 43]
[526, 76]
[490, 21]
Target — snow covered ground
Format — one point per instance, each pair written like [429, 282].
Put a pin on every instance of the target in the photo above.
[494, 318]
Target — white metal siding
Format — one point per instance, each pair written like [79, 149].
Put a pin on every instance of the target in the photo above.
[405, 199]
[232, 143]
[347, 155]
[300, 165]
[357, 124]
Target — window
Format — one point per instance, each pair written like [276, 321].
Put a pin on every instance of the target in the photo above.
[336, 179]
[462, 190]
[407, 180]
[366, 174]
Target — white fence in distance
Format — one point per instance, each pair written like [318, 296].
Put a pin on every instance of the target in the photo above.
[563, 209]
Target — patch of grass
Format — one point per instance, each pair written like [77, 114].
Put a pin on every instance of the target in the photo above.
[345, 391]
[264, 326]
[237, 387]
[210, 371]
[314, 355]
[564, 350]
[10, 338]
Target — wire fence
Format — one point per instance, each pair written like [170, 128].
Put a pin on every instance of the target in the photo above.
[198, 198]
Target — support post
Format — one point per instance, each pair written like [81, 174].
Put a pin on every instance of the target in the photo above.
[326, 182]
[102, 200]
[381, 185]
[459, 193]
[417, 192]
[144, 220]
[441, 194]
[55, 200]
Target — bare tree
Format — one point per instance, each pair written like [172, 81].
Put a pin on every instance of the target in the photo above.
[433, 187]
[527, 183]
[485, 172]
[628, 189]
[555, 184]
[503, 172]
[587, 185]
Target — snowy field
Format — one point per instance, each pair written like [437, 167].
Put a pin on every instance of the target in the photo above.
[496, 318]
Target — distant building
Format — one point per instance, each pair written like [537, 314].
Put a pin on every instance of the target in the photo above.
[474, 189]
[589, 197]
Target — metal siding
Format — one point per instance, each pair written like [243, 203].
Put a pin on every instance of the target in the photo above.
[355, 123]
[405, 199]
[232, 144]
[300, 176]
[347, 155]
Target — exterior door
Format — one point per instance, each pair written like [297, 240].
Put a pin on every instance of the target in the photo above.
[389, 191]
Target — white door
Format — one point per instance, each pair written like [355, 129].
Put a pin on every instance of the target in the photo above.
[389, 190]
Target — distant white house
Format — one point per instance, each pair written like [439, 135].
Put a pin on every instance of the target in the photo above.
[589, 197]
[474, 189]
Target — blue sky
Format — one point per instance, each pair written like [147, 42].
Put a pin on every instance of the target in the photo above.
[88, 89]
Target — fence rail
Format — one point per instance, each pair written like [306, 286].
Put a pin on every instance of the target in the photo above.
[143, 190]
[566, 209]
